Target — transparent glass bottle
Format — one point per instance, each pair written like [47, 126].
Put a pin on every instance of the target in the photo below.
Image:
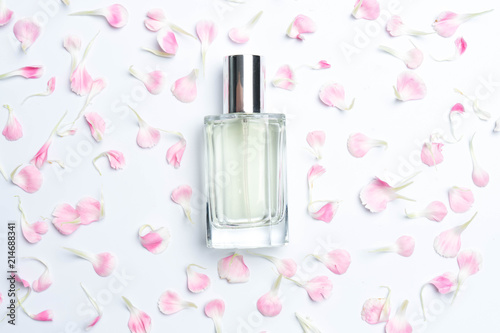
[245, 164]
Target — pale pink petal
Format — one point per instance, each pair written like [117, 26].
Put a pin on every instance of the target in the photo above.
[399, 323]
[116, 159]
[435, 211]
[448, 243]
[366, 9]
[154, 81]
[376, 194]
[104, 263]
[325, 213]
[316, 140]
[308, 326]
[395, 27]
[196, 282]
[167, 41]
[269, 305]
[233, 269]
[5, 16]
[156, 19]
[147, 136]
[469, 263]
[461, 199]
[286, 267]
[480, 177]
[29, 178]
[73, 44]
[284, 78]
[206, 31]
[314, 173]
[81, 81]
[337, 261]
[26, 31]
[359, 144]
[139, 321]
[332, 94]
[47, 315]
[215, 310]
[156, 240]
[175, 153]
[447, 23]
[461, 45]
[241, 35]
[182, 196]
[376, 310]
[32, 232]
[116, 15]
[319, 288]
[412, 58]
[322, 64]
[90, 210]
[97, 125]
[405, 246]
[66, 219]
[432, 153]
[51, 86]
[156, 14]
[301, 24]
[28, 72]
[410, 87]
[13, 129]
[96, 307]
[44, 281]
[184, 89]
[170, 303]
[25, 283]
[445, 283]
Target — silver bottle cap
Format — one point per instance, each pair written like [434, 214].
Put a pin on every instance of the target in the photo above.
[244, 83]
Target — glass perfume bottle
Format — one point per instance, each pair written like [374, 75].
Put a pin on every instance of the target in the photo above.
[245, 161]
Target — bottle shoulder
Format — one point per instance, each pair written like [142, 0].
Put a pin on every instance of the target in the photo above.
[279, 117]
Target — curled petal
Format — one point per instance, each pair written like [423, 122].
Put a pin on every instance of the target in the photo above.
[461, 45]
[233, 269]
[435, 211]
[116, 15]
[377, 310]
[184, 89]
[196, 282]
[175, 153]
[322, 64]
[116, 159]
[301, 24]
[170, 303]
[395, 27]
[316, 140]
[96, 307]
[325, 213]
[28, 72]
[448, 243]
[410, 87]
[167, 41]
[469, 263]
[27, 31]
[215, 310]
[432, 153]
[337, 261]
[13, 130]
[284, 78]
[154, 81]
[241, 35]
[285, 267]
[332, 94]
[51, 86]
[47, 315]
[81, 81]
[366, 9]
[359, 144]
[404, 246]
[461, 199]
[269, 304]
[29, 178]
[445, 283]
[314, 173]
[32, 232]
[97, 125]
[480, 177]
[139, 321]
[156, 240]
[44, 281]
[399, 323]
[377, 194]
[448, 22]
[182, 196]
[104, 263]
[66, 219]
[5, 16]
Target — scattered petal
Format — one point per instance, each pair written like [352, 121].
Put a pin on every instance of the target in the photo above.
[332, 94]
[445, 283]
[404, 246]
[116, 159]
[167, 41]
[89, 210]
[29, 178]
[322, 64]
[215, 310]
[196, 282]
[154, 81]
[184, 89]
[461, 45]
[156, 240]
[170, 303]
[284, 78]
[46, 315]
[5, 16]
[306, 323]
[66, 219]
[316, 140]
[27, 31]
[326, 212]
[480, 177]
[314, 173]
[97, 125]
[432, 153]
[44, 281]
[139, 321]
[410, 87]
[337, 261]
[412, 58]
[81, 81]
[269, 305]
[318, 288]
[448, 243]
[448, 22]
[13, 130]
[182, 196]
[241, 35]
[286, 267]
[233, 269]
[104, 263]
[469, 263]
[435, 211]
[399, 323]
[480, 113]
[301, 24]
[175, 153]
[32, 232]
[28, 72]
[378, 193]
[147, 136]
[96, 307]
[377, 310]
[116, 15]
[206, 31]
[359, 144]
[51, 86]
[395, 27]
[461, 199]
[73, 44]
[366, 9]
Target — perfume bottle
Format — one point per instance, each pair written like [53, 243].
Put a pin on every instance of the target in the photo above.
[245, 157]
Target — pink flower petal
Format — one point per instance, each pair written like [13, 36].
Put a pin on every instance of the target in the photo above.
[116, 159]
[182, 196]
[167, 41]
[156, 19]
[458, 107]
[269, 305]
[284, 78]
[156, 240]
[29, 178]
[322, 64]
[319, 288]
[332, 94]
[316, 140]
[325, 213]
[285, 267]
[147, 136]
[139, 321]
[301, 25]
[461, 199]
[410, 87]
[104, 263]
[116, 15]
[480, 177]
[73, 44]
[206, 31]
[378, 193]
[32, 232]
[5, 16]
[96, 307]
[405, 246]
[215, 310]
[97, 125]
[448, 22]
[469, 263]
[196, 282]
[24, 283]
[13, 130]
[395, 27]
[376, 310]
[448, 243]
[44, 281]
[233, 269]
[337, 261]
[461, 45]
[51, 86]
[399, 323]
[435, 211]
[47, 315]
[26, 31]
[314, 173]
[432, 153]
[184, 89]
[241, 35]
[175, 153]
[170, 303]
[81, 81]
[66, 219]
[445, 283]
[359, 144]
[366, 9]
[28, 72]
[154, 81]
[412, 58]
[89, 210]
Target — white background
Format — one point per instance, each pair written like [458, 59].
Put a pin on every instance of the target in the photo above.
[141, 193]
